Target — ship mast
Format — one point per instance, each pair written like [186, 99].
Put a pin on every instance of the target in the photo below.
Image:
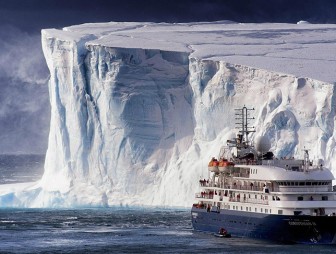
[242, 144]
[242, 124]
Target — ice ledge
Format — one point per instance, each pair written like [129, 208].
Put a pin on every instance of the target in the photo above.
[296, 49]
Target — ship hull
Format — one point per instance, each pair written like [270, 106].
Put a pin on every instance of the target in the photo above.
[281, 228]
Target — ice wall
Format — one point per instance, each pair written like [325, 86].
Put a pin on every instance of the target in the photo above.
[137, 125]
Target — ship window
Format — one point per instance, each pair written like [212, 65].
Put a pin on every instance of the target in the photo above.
[270, 210]
[301, 183]
[279, 211]
[296, 183]
[261, 210]
[308, 183]
[255, 196]
[246, 209]
[266, 210]
[314, 183]
[324, 197]
[255, 209]
[250, 209]
[300, 198]
[296, 213]
[241, 208]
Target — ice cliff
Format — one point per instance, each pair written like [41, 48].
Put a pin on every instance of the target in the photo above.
[138, 109]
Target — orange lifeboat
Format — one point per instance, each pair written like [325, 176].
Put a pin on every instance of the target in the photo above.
[225, 165]
[213, 165]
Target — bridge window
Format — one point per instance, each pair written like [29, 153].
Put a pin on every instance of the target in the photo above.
[324, 197]
[300, 198]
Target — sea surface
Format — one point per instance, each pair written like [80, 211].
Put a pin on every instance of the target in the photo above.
[112, 230]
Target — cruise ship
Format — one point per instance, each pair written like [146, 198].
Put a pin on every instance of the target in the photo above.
[251, 193]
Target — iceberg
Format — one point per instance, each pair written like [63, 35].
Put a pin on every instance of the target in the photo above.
[138, 109]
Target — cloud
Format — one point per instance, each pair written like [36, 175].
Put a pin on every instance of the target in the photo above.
[24, 101]
[21, 56]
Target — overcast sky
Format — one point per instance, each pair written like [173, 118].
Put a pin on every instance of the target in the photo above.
[24, 102]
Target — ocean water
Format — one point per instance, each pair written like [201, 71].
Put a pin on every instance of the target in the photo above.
[115, 229]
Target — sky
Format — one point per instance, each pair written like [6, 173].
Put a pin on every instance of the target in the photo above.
[24, 101]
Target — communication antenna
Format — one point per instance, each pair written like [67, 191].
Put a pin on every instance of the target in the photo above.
[306, 160]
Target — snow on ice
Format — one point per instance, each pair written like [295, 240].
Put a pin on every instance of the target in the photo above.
[138, 109]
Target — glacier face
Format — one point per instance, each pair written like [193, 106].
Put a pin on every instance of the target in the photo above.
[138, 109]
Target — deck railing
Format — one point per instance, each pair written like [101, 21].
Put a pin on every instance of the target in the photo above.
[231, 186]
[232, 199]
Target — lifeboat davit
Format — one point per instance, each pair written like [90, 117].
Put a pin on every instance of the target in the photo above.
[213, 165]
[224, 166]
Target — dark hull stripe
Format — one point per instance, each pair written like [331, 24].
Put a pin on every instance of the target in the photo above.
[283, 228]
